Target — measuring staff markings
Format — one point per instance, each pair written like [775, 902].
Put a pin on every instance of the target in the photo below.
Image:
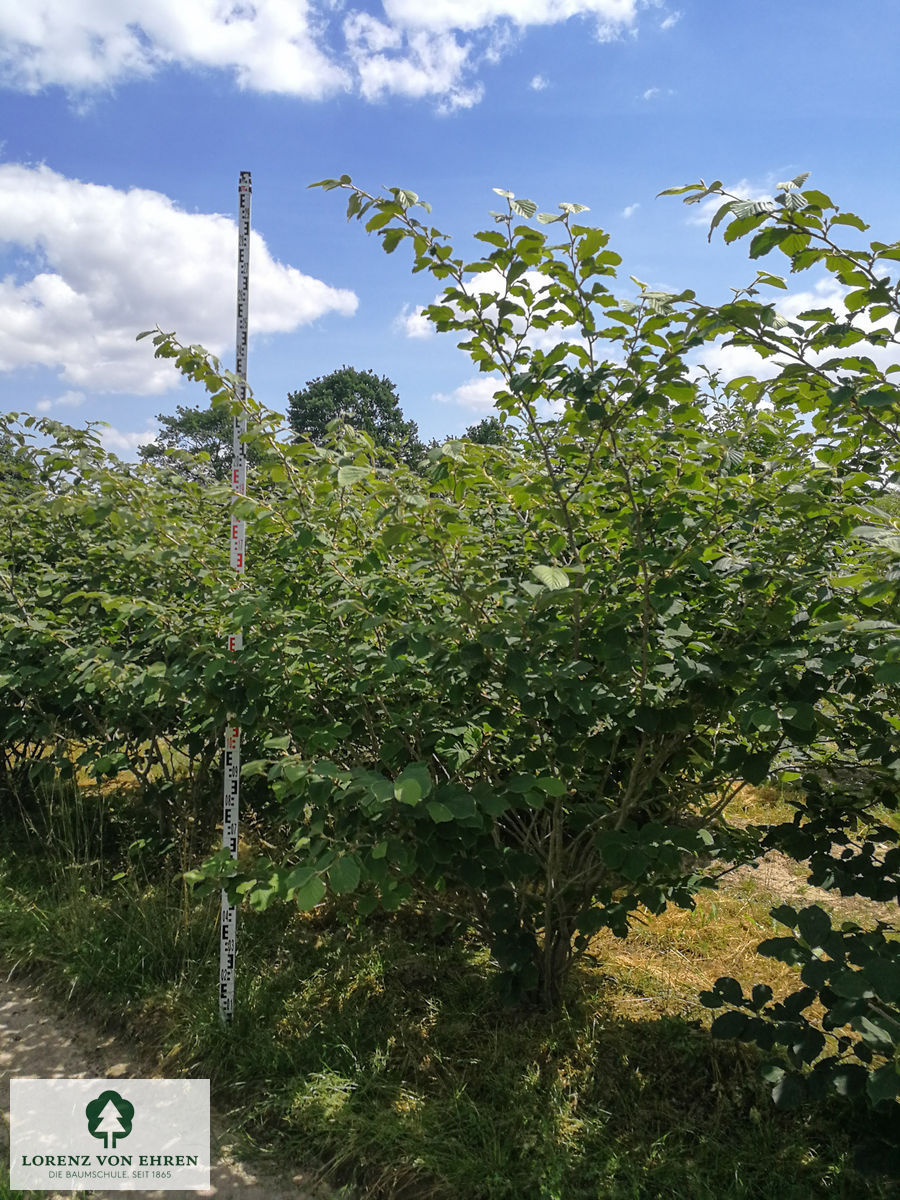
[238, 538]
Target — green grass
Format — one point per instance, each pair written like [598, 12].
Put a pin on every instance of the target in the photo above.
[383, 1054]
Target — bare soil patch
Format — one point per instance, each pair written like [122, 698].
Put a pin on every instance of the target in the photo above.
[41, 1039]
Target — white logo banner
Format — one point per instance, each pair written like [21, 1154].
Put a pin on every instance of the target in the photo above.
[116, 1135]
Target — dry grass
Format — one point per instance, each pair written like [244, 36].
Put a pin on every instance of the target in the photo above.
[663, 965]
[660, 969]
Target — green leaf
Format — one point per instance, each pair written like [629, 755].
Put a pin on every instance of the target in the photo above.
[392, 239]
[412, 784]
[438, 812]
[884, 1083]
[719, 215]
[677, 191]
[550, 785]
[767, 240]
[349, 475]
[849, 218]
[524, 208]
[878, 1031]
[635, 864]
[588, 245]
[311, 894]
[299, 877]
[755, 767]
[814, 925]
[851, 984]
[343, 875]
[753, 208]
[730, 990]
[730, 1024]
[789, 1092]
[785, 915]
[551, 577]
[765, 719]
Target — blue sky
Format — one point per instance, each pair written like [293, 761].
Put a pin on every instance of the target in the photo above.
[125, 126]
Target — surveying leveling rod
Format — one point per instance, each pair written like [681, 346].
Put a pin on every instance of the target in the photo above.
[228, 926]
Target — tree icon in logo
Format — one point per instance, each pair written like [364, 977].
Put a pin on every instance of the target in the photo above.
[109, 1116]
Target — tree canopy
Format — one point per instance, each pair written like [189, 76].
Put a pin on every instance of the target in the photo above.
[369, 403]
[198, 432]
[486, 432]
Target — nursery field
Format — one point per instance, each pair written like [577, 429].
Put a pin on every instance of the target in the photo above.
[568, 864]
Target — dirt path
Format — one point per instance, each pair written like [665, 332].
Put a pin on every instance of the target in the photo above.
[39, 1040]
[784, 881]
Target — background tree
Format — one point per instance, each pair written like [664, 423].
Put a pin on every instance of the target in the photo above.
[487, 432]
[196, 431]
[369, 404]
[13, 464]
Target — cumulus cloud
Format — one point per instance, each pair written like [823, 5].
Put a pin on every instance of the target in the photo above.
[702, 214]
[671, 20]
[476, 394]
[66, 400]
[120, 442]
[733, 361]
[106, 264]
[629, 210]
[538, 83]
[311, 49]
[655, 93]
[414, 324]
[476, 14]
[270, 46]
[428, 63]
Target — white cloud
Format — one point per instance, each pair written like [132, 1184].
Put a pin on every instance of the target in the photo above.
[107, 264]
[703, 213]
[730, 362]
[414, 324]
[630, 209]
[81, 44]
[118, 441]
[66, 400]
[671, 20]
[654, 93]
[477, 394]
[430, 63]
[538, 83]
[306, 48]
[733, 361]
[476, 14]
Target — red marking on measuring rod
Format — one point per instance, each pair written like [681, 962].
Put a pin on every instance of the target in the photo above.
[238, 537]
